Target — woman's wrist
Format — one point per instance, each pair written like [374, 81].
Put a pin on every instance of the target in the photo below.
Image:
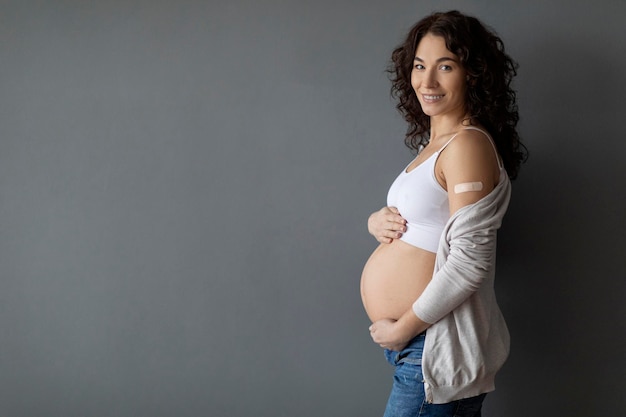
[409, 325]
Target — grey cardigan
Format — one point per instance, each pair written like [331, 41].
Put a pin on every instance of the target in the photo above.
[468, 341]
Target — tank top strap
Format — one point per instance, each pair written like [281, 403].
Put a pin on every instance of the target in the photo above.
[447, 143]
[493, 145]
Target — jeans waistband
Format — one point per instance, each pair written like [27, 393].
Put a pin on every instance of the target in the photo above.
[412, 353]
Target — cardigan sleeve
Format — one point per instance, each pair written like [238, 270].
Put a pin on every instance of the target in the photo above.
[469, 262]
[466, 255]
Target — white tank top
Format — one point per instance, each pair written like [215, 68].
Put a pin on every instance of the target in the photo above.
[423, 202]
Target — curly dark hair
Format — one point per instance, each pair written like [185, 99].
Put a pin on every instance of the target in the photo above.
[490, 100]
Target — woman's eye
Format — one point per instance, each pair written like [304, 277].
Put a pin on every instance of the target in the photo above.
[445, 67]
[419, 66]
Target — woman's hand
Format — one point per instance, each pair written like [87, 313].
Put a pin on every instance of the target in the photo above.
[396, 334]
[386, 224]
[385, 333]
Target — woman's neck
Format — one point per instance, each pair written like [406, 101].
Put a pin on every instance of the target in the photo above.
[446, 125]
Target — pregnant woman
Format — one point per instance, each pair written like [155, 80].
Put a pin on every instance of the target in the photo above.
[428, 286]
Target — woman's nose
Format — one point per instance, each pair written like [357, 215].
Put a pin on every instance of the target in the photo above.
[430, 79]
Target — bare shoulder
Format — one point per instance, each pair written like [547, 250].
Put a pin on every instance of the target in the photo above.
[467, 168]
[471, 150]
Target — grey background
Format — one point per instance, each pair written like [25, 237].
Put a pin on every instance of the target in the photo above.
[184, 187]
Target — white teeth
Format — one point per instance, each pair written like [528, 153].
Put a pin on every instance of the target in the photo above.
[432, 97]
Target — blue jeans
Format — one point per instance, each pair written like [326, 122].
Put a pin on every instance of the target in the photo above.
[407, 398]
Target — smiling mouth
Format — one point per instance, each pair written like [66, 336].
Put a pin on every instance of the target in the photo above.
[431, 97]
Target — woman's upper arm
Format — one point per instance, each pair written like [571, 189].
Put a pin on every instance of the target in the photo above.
[468, 168]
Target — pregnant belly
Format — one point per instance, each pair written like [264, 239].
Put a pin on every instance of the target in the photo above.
[393, 278]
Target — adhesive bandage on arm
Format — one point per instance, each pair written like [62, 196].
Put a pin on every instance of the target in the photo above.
[468, 186]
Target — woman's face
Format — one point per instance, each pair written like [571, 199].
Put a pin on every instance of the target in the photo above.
[438, 78]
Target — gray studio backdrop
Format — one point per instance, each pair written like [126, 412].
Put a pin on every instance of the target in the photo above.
[184, 187]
